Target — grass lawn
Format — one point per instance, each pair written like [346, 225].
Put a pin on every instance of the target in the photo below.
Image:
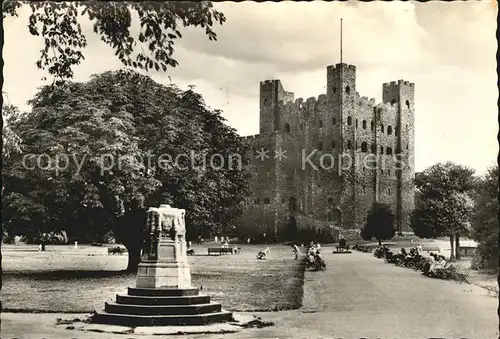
[64, 279]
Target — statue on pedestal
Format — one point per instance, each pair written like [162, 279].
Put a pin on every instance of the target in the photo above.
[164, 260]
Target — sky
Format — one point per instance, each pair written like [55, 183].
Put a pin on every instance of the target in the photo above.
[446, 49]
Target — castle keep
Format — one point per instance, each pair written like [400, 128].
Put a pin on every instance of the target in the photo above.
[326, 160]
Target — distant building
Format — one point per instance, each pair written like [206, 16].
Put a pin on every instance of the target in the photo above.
[305, 184]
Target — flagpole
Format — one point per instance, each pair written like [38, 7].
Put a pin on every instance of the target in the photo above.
[340, 40]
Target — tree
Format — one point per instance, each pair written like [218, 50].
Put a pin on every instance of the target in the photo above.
[443, 203]
[379, 223]
[103, 145]
[142, 34]
[485, 219]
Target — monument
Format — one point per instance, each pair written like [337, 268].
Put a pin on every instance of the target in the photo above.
[163, 294]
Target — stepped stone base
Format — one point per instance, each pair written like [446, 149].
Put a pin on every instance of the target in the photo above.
[161, 307]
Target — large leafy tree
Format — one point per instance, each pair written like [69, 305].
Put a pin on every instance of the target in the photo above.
[379, 223]
[117, 130]
[443, 203]
[142, 34]
[485, 219]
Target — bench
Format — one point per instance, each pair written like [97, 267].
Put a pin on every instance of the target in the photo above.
[220, 250]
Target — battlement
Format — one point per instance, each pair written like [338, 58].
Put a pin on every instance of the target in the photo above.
[399, 82]
[342, 65]
[270, 82]
[365, 101]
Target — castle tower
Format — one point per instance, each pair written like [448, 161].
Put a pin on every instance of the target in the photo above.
[341, 99]
[402, 95]
[272, 95]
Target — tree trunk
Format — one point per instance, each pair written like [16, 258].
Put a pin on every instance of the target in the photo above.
[134, 257]
[452, 246]
[457, 246]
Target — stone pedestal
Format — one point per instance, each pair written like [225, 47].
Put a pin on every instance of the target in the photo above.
[163, 294]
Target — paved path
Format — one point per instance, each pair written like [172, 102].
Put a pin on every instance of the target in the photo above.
[358, 296]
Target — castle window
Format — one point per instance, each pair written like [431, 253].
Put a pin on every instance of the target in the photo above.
[349, 121]
[347, 89]
[381, 150]
[407, 104]
[389, 190]
[256, 201]
[372, 125]
[320, 123]
[266, 201]
[334, 121]
[388, 172]
[393, 101]
[382, 128]
[334, 89]
[330, 202]
[349, 144]
[364, 124]
[292, 204]
[389, 130]
[374, 149]
[406, 128]
[333, 144]
[356, 123]
[388, 151]
[364, 147]
[407, 147]
[287, 127]
[320, 146]
[381, 171]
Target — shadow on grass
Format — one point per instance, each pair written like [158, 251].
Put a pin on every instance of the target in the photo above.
[66, 274]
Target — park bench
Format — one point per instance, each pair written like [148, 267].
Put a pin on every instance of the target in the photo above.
[220, 250]
[117, 250]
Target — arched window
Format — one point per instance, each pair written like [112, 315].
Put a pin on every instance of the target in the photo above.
[334, 120]
[388, 172]
[407, 104]
[320, 146]
[347, 89]
[349, 120]
[292, 204]
[393, 101]
[287, 127]
[388, 151]
[381, 150]
[389, 130]
[333, 144]
[320, 123]
[364, 147]
[334, 89]
[349, 144]
[356, 123]
[364, 124]
[406, 146]
[266, 201]
[382, 128]
[372, 125]
[373, 149]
